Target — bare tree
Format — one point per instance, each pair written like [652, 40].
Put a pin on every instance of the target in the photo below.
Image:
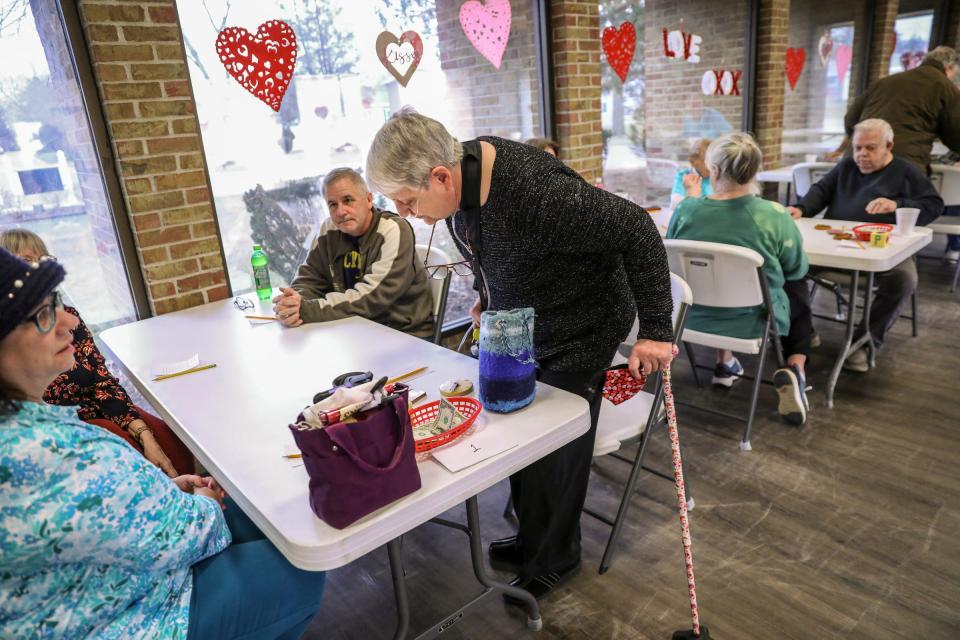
[419, 15]
[216, 25]
[11, 13]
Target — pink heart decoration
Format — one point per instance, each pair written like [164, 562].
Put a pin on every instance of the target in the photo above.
[262, 64]
[619, 45]
[842, 60]
[487, 26]
[795, 61]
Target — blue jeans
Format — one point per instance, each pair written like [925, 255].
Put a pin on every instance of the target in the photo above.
[953, 242]
[250, 591]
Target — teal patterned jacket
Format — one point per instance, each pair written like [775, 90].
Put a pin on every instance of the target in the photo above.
[95, 542]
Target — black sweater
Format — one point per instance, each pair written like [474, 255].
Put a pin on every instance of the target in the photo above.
[846, 192]
[583, 258]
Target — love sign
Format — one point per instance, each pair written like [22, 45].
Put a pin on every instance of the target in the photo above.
[487, 27]
[262, 63]
[400, 56]
[619, 45]
[720, 82]
[682, 46]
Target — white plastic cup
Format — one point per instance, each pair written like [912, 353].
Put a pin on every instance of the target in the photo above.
[906, 220]
[810, 157]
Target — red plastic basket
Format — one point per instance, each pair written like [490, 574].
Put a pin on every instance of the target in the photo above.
[863, 231]
[469, 407]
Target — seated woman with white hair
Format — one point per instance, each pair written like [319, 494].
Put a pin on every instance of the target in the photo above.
[733, 214]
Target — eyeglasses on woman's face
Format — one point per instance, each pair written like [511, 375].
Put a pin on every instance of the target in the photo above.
[46, 316]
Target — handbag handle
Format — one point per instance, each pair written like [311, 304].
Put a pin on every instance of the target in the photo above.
[346, 445]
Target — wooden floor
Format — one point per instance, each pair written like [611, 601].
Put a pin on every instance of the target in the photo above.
[846, 528]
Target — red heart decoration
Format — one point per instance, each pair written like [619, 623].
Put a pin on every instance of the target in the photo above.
[795, 60]
[262, 64]
[619, 46]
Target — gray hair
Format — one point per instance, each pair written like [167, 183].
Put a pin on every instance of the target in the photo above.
[407, 147]
[875, 124]
[344, 173]
[735, 157]
[947, 56]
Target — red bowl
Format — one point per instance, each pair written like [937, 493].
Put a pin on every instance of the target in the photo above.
[469, 407]
[863, 231]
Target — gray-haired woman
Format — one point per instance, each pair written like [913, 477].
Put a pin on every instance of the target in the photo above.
[539, 236]
[734, 215]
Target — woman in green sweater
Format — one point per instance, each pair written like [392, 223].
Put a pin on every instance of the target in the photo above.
[732, 214]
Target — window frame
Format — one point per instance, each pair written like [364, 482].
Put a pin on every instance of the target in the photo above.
[69, 13]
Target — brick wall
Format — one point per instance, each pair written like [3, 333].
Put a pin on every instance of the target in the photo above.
[884, 16]
[137, 53]
[774, 25]
[484, 99]
[575, 35]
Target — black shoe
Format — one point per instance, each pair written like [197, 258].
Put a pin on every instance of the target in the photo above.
[506, 551]
[541, 586]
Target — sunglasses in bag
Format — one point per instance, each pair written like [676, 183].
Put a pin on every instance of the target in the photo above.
[619, 385]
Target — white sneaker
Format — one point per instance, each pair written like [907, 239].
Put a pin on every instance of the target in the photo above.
[857, 361]
[951, 256]
[816, 341]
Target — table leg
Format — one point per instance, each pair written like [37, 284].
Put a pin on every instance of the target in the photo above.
[534, 621]
[867, 302]
[399, 589]
[472, 529]
[847, 340]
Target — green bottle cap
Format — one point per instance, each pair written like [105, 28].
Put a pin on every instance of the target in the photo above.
[256, 247]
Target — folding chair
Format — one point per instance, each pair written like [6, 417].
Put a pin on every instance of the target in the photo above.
[439, 288]
[947, 180]
[727, 276]
[806, 174]
[633, 421]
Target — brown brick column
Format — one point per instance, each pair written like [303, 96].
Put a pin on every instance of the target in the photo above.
[141, 71]
[884, 17]
[773, 30]
[576, 70]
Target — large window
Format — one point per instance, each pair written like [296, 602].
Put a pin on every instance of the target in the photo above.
[50, 177]
[824, 64]
[266, 168]
[912, 39]
[681, 87]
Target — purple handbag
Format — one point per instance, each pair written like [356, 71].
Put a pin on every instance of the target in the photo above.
[356, 468]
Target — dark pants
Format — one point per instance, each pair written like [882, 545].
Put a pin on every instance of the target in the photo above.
[797, 341]
[250, 591]
[548, 495]
[953, 241]
[894, 288]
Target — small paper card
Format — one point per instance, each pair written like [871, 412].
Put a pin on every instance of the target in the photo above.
[473, 448]
[176, 367]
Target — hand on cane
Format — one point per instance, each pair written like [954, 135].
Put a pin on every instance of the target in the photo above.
[649, 355]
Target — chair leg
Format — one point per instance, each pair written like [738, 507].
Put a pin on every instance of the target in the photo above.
[632, 480]
[956, 277]
[693, 364]
[754, 394]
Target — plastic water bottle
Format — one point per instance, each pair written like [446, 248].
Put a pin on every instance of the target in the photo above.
[261, 273]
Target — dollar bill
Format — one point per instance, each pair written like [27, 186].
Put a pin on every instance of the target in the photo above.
[447, 418]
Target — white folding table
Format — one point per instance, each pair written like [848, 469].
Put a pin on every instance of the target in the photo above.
[234, 419]
[823, 251]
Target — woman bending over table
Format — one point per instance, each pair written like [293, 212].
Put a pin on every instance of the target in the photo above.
[97, 542]
[99, 396]
[734, 215]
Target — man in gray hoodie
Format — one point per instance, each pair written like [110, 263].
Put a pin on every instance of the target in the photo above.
[363, 262]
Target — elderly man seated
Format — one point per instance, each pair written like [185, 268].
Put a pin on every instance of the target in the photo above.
[869, 187]
[363, 262]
